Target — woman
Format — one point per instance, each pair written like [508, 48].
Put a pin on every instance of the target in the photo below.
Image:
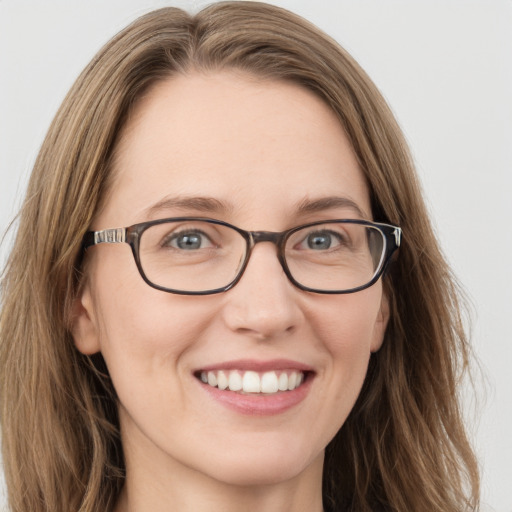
[261, 343]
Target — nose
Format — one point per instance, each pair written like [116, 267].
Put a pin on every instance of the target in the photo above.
[264, 304]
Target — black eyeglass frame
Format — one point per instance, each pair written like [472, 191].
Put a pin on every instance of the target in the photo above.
[132, 235]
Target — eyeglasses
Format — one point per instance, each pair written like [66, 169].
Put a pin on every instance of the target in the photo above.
[200, 256]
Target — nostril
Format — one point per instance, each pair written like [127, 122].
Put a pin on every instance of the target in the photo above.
[261, 321]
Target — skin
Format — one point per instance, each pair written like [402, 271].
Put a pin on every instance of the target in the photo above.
[262, 148]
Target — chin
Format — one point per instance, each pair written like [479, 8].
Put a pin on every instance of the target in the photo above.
[271, 474]
[262, 467]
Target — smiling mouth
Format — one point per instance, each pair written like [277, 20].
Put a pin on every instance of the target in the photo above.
[252, 382]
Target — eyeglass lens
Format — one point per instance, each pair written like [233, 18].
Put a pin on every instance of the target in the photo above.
[195, 256]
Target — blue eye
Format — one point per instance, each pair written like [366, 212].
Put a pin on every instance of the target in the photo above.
[188, 241]
[321, 240]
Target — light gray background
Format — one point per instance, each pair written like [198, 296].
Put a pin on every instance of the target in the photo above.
[445, 66]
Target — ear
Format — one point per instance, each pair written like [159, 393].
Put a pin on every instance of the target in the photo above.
[84, 327]
[380, 324]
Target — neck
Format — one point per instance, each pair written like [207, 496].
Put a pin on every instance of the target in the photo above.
[184, 498]
[162, 485]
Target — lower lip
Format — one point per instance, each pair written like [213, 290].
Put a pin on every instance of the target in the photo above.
[259, 404]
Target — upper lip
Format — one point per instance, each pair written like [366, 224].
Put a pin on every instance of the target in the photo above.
[257, 365]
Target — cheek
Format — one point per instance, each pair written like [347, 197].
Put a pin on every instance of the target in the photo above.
[146, 342]
[346, 324]
[343, 328]
[141, 329]
[345, 332]
[147, 328]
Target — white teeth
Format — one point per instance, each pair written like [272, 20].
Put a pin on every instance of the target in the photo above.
[212, 379]
[269, 382]
[292, 380]
[235, 381]
[222, 380]
[283, 382]
[253, 382]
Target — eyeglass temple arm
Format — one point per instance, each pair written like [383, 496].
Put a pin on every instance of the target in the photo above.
[109, 236]
[398, 236]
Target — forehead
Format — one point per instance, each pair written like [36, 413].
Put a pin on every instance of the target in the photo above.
[255, 146]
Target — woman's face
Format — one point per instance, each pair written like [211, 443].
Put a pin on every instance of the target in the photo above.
[261, 155]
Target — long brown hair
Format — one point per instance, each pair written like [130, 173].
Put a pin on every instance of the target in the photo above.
[403, 446]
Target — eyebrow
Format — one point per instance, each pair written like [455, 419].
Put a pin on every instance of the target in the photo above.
[200, 204]
[329, 203]
[213, 205]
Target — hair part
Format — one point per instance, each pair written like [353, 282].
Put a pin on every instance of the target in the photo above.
[404, 445]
